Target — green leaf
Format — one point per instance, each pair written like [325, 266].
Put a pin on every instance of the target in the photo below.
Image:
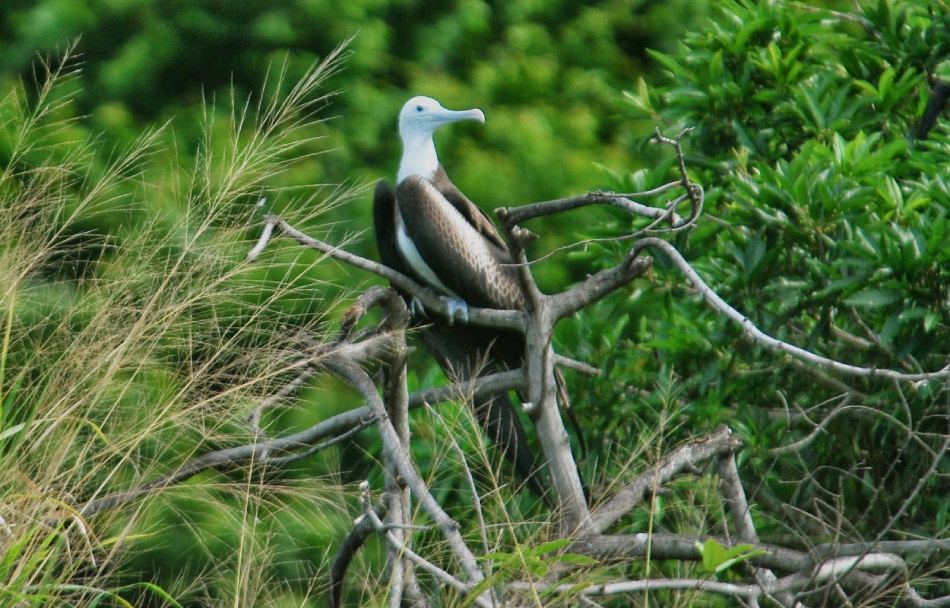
[549, 546]
[738, 554]
[672, 65]
[873, 298]
[884, 84]
[943, 70]
[713, 554]
[717, 558]
[13, 430]
[498, 557]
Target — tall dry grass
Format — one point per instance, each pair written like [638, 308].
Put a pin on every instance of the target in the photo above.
[133, 336]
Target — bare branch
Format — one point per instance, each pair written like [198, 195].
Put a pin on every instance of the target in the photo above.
[555, 443]
[543, 392]
[336, 428]
[521, 214]
[920, 602]
[264, 452]
[254, 418]
[362, 528]
[397, 406]
[658, 584]
[262, 241]
[420, 561]
[372, 297]
[760, 337]
[511, 216]
[475, 387]
[598, 285]
[745, 528]
[847, 408]
[487, 317]
[794, 582]
[683, 458]
[694, 191]
[358, 378]
[518, 238]
[837, 569]
[577, 366]
[622, 547]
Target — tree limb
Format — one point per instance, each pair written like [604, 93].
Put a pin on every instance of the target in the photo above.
[358, 378]
[336, 428]
[760, 337]
[683, 458]
[502, 319]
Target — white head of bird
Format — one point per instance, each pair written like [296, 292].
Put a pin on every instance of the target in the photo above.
[418, 120]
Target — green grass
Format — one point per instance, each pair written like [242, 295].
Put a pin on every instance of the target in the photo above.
[125, 353]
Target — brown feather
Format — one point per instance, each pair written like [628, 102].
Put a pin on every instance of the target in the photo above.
[468, 263]
[469, 210]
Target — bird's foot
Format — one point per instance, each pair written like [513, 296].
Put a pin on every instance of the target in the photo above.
[457, 309]
[416, 309]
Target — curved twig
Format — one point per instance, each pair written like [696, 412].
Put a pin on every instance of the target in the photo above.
[502, 319]
[359, 380]
[684, 457]
[760, 337]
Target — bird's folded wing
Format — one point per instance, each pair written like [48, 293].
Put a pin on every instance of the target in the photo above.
[468, 263]
[384, 227]
[469, 210]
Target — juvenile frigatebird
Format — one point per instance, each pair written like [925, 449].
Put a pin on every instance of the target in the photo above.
[430, 231]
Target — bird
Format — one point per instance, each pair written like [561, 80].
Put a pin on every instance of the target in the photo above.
[427, 229]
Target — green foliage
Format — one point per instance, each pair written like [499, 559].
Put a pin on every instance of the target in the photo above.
[536, 562]
[547, 75]
[718, 559]
[826, 224]
[535, 559]
[132, 337]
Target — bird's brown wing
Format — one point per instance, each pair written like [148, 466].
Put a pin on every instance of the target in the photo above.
[384, 225]
[465, 352]
[467, 262]
[469, 210]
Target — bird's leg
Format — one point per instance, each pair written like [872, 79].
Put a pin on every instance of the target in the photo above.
[456, 306]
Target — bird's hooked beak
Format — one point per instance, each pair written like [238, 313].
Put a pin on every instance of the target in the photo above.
[444, 116]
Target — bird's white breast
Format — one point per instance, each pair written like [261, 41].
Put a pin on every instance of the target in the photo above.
[418, 157]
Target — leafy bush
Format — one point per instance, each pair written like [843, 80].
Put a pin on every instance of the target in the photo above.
[826, 223]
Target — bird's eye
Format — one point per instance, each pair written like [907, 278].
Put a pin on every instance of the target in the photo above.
[418, 108]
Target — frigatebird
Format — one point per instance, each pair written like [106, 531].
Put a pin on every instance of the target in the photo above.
[430, 231]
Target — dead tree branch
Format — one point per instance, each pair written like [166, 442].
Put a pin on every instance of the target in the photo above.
[392, 448]
[683, 458]
[442, 575]
[760, 337]
[363, 527]
[745, 528]
[486, 317]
